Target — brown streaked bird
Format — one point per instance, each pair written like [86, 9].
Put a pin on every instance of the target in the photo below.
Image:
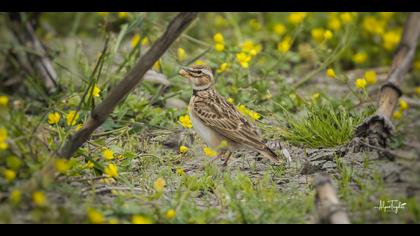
[215, 119]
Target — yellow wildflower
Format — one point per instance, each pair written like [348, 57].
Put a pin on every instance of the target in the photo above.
[90, 165]
[170, 214]
[243, 59]
[373, 26]
[222, 68]
[95, 91]
[157, 66]
[135, 40]
[183, 149]
[54, 118]
[61, 165]
[331, 73]
[181, 54]
[418, 90]
[230, 100]
[403, 105]
[285, 44]
[346, 17]
[123, 15]
[9, 175]
[108, 154]
[78, 127]
[334, 23]
[140, 220]
[387, 15]
[397, 115]
[318, 34]
[145, 41]
[218, 38]
[4, 101]
[391, 39]
[159, 184]
[15, 197]
[219, 47]
[180, 171]
[254, 115]
[248, 46]
[199, 62]
[111, 170]
[360, 57]
[296, 17]
[3, 139]
[185, 121]
[95, 216]
[360, 83]
[370, 77]
[209, 152]
[328, 35]
[39, 198]
[279, 29]
[254, 24]
[72, 118]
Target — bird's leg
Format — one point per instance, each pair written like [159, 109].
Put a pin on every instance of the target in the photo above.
[227, 158]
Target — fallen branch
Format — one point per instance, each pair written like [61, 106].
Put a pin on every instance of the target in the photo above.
[328, 207]
[378, 128]
[101, 112]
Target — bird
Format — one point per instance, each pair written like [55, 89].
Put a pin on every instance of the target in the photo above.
[219, 122]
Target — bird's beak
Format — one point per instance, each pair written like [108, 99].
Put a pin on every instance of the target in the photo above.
[184, 71]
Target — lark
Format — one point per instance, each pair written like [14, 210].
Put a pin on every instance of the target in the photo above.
[217, 121]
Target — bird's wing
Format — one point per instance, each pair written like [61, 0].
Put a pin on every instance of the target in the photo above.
[225, 119]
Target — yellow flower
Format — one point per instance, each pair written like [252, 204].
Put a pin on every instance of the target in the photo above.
[140, 220]
[183, 149]
[145, 41]
[296, 17]
[219, 21]
[90, 165]
[331, 73]
[170, 214]
[279, 29]
[156, 66]
[254, 115]
[391, 39]
[9, 175]
[15, 197]
[54, 118]
[230, 100]
[360, 83]
[72, 118]
[159, 184]
[403, 105]
[122, 15]
[243, 59]
[248, 46]
[334, 23]
[223, 67]
[318, 34]
[199, 62]
[218, 38]
[39, 198]
[219, 47]
[61, 165]
[78, 127]
[108, 154]
[328, 35]
[346, 17]
[3, 139]
[370, 77]
[95, 91]
[418, 90]
[397, 115]
[135, 40]
[111, 170]
[360, 57]
[373, 26]
[4, 101]
[180, 172]
[254, 24]
[387, 15]
[285, 44]
[181, 54]
[95, 216]
[185, 121]
[209, 152]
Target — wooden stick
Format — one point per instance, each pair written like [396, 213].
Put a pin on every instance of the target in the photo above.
[379, 126]
[327, 204]
[101, 112]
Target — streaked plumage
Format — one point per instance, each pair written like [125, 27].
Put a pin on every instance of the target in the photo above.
[215, 120]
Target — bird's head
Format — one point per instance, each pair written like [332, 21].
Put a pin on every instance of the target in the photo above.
[200, 76]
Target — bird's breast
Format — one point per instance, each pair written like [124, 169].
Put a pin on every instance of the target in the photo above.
[208, 135]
